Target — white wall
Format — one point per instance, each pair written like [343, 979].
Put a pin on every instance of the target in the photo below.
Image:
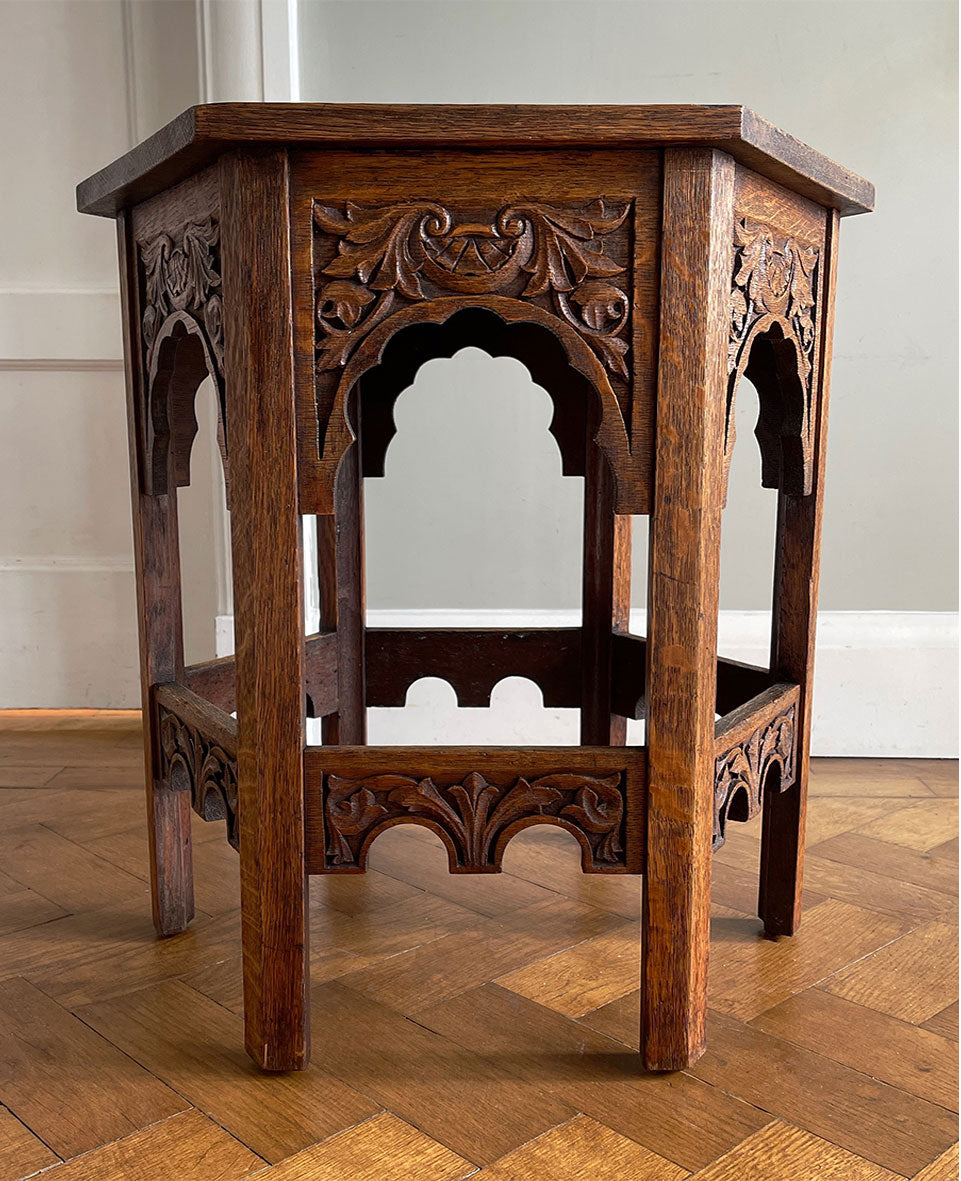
[872, 84]
[79, 84]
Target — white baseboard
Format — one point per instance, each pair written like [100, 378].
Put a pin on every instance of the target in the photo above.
[886, 683]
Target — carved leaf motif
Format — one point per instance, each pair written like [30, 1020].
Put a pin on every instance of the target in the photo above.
[566, 247]
[473, 813]
[190, 761]
[393, 250]
[744, 768]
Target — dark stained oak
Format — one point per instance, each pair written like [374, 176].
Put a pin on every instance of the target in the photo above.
[309, 259]
[202, 133]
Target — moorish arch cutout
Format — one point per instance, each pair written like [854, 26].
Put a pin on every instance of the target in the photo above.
[773, 341]
[182, 339]
[523, 279]
[376, 391]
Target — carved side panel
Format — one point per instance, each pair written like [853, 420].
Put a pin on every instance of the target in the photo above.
[182, 341]
[774, 297]
[474, 814]
[741, 770]
[566, 267]
[191, 761]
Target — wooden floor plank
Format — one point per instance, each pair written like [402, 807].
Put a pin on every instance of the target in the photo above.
[867, 888]
[675, 1116]
[197, 1047]
[870, 1119]
[587, 975]
[829, 815]
[893, 861]
[184, 1146]
[24, 909]
[945, 1168]
[13, 775]
[109, 952]
[455, 963]
[71, 1087]
[470, 1102]
[748, 977]
[912, 978]
[21, 1152]
[902, 778]
[921, 826]
[64, 872]
[342, 943]
[582, 1150]
[944, 1023]
[790, 1154]
[902, 1055]
[425, 868]
[381, 1148]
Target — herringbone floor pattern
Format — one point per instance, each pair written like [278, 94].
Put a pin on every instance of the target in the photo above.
[470, 1026]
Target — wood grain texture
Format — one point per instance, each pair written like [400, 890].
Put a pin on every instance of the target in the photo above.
[838, 1051]
[384, 1146]
[913, 1059]
[159, 621]
[696, 256]
[268, 590]
[194, 1045]
[677, 1116]
[912, 978]
[465, 1100]
[185, 1145]
[945, 1168]
[202, 133]
[884, 1125]
[575, 1151]
[790, 1154]
[21, 1153]
[68, 1085]
[747, 978]
[793, 638]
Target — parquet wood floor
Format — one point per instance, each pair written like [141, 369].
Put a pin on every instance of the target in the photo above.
[498, 1014]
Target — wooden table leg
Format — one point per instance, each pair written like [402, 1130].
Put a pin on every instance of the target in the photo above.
[796, 572]
[268, 592]
[160, 622]
[696, 263]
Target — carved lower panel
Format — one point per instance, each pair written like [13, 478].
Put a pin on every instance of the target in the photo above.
[740, 772]
[475, 817]
[774, 297]
[191, 761]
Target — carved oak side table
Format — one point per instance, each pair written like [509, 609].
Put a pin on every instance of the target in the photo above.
[639, 261]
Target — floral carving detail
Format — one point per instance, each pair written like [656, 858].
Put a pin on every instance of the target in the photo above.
[418, 249]
[182, 274]
[774, 283]
[740, 772]
[473, 813]
[190, 761]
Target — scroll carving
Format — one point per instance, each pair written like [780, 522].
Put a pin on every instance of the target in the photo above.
[189, 761]
[474, 814]
[558, 256]
[181, 297]
[740, 772]
[773, 294]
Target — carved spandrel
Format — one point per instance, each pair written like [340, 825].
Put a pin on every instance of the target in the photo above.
[475, 815]
[182, 342]
[192, 762]
[569, 260]
[740, 772]
[772, 338]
